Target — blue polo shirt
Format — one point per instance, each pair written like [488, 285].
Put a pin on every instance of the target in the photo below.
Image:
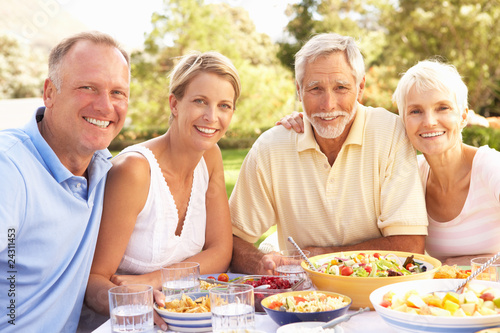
[49, 222]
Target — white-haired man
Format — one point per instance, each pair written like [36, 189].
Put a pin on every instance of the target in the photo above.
[349, 182]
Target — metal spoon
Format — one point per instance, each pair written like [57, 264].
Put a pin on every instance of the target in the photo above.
[477, 272]
[343, 318]
[290, 239]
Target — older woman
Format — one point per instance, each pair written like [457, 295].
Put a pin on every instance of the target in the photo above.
[461, 182]
[165, 199]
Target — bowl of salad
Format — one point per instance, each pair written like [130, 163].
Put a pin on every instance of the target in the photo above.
[358, 273]
[433, 306]
[306, 305]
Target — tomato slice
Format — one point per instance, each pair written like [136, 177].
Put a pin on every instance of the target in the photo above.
[376, 255]
[223, 277]
[275, 304]
[299, 299]
[211, 277]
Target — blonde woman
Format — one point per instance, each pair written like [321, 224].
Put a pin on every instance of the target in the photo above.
[165, 199]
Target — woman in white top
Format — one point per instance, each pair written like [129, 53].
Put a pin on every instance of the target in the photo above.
[461, 182]
[165, 199]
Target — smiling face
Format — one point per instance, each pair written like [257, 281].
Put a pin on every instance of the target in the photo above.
[329, 93]
[433, 121]
[205, 111]
[90, 108]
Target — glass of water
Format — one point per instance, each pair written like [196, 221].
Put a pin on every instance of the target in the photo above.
[288, 264]
[232, 308]
[182, 277]
[131, 308]
[491, 273]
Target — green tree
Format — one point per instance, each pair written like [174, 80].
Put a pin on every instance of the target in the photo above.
[359, 19]
[22, 71]
[267, 87]
[462, 32]
[356, 18]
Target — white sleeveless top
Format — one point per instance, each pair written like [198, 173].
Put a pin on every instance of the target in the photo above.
[153, 243]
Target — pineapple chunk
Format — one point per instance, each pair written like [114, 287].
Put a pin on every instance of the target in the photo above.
[450, 306]
[439, 312]
[452, 297]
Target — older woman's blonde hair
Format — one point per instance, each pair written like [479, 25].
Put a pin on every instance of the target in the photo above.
[431, 75]
[195, 63]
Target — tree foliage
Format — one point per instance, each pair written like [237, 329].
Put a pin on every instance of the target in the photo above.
[267, 87]
[462, 32]
[22, 71]
[394, 35]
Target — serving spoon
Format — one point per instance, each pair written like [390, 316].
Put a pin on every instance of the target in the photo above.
[343, 318]
[477, 272]
[290, 239]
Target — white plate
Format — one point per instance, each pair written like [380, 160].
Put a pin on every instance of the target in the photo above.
[288, 327]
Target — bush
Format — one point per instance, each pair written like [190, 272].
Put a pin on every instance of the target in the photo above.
[478, 136]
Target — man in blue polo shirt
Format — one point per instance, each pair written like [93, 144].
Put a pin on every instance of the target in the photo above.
[53, 173]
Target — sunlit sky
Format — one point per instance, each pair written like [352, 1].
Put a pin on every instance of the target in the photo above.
[129, 20]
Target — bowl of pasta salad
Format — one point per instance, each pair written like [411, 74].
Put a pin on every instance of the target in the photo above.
[358, 273]
[305, 305]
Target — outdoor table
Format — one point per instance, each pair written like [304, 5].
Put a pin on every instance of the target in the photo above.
[366, 322]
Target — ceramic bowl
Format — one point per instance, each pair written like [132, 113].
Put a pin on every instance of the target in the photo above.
[283, 317]
[407, 322]
[186, 322]
[360, 288]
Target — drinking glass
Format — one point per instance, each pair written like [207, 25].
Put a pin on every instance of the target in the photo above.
[288, 264]
[131, 308]
[180, 278]
[491, 273]
[232, 308]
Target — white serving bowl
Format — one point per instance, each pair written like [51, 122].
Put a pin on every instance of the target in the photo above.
[407, 322]
[187, 322]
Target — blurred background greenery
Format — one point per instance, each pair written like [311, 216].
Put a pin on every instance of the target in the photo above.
[393, 35]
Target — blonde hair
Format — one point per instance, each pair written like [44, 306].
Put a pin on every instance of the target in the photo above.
[195, 63]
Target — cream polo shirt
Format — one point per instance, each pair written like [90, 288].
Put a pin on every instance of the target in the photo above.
[372, 190]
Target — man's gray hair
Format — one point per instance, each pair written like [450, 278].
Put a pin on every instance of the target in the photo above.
[326, 44]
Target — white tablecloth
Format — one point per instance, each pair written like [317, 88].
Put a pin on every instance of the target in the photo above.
[367, 322]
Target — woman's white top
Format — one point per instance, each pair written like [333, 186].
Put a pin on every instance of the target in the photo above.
[153, 243]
